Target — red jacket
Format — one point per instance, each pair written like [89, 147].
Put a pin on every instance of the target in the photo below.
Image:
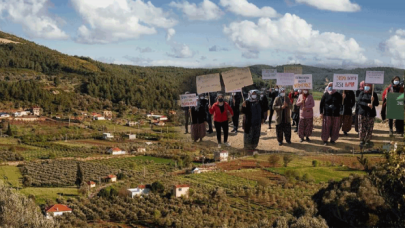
[216, 111]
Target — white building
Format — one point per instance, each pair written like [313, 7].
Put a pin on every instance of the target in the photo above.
[4, 115]
[181, 190]
[57, 210]
[22, 113]
[195, 170]
[111, 178]
[116, 151]
[108, 136]
[140, 190]
[99, 118]
[221, 156]
[91, 184]
[131, 136]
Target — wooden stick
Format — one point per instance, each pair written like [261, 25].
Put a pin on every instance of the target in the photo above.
[209, 98]
[343, 100]
[241, 92]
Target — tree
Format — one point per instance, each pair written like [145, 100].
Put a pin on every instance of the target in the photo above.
[273, 159]
[79, 176]
[287, 159]
[157, 187]
[9, 131]
[56, 81]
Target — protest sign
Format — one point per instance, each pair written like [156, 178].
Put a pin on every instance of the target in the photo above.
[269, 74]
[345, 81]
[375, 77]
[237, 78]
[235, 91]
[208, 83]
[285, 79]
[293, 69]
[188, 100]
[303, 81]
[395, 106]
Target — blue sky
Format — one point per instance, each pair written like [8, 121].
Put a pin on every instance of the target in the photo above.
[338, 33]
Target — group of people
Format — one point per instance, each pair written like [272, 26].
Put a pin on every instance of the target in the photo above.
[293, 109]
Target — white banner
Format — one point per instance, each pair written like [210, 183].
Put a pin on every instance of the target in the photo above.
[375, 77]
[188, 100]
[345, 81]
[285, 79]
[208, 83]
[303, 81]
[269, 74]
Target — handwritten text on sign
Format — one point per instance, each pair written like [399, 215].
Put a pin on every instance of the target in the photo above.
[188, 100]
[269, 74]
[236, 79]
[285, 79]
[345, 81]
[208, 83]
[375, 77]
[303, 81]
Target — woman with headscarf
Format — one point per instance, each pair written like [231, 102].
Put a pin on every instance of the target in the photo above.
[272, 96]
[367, 112]
[306, 123]
[220, 111]
[395, 87]
[346, 110]
[264, 104]
[252, 120]
[282, 105]
[356, 115]
[234, 102]
[198, 119]
[295, 114]
[329, 110]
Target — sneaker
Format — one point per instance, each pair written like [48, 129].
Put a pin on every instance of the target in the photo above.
[345, 133]
[280, 143]
[219, 146]
[308, 140]
[227, 144]
[333, 142]
[301, 140]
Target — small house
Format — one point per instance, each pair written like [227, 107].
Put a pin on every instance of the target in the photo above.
[107, 136]
[195, 170]
[4, 115]
[221, 156]
[111, 178]
[36, 111]
[181, 190]
[99, 118]
[91, 184]
[116, 151]
[107, 114]
[132, 123]
[57, 210]
[131, 136]
[141, 149]
[21, 113]
[139, 191]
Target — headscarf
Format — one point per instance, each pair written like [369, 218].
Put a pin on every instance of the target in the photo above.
[305, 95]
[361, 86]
[333, 90]
[251, 93]
[282, 89]
[367, 84]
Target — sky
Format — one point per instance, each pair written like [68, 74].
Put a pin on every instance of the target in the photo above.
[216, 33]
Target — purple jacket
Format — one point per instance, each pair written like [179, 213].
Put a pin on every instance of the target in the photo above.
[309, 104]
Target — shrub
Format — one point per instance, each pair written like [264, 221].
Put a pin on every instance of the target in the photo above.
[292, 174]
[315, 163]
[273, 159]
[287, 159]
[307, 178]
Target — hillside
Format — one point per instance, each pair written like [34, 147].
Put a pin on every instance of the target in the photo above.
[34, 74]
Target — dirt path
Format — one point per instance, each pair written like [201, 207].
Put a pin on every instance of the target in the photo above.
[268, 140]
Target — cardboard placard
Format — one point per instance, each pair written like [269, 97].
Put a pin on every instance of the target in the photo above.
[285, 79]
[303, 81]
[269, 74]
[235, 91]
[375, 77]
[188, 100]
[237, 78]
[345, 81]
[208, 83]
[395, 106]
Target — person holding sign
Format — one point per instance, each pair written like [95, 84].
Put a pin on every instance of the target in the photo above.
[252, 120]
[234, 101]
[220, 111]
[198, 119]
[272, 96]
[395, 87]
[356, 115]
[367, 112]
[306, 123]
[329, 110]
[346, 110]
[282, 105]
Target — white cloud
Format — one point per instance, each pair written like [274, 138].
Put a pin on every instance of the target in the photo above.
[205, 11]
[114, 20]
[332, 5]
[181, 51]
[170, 33]
[394, 47]
[294, 35]
[247, 9]
[217, 48]
[144, 50]
[34, 18]
[175, 63]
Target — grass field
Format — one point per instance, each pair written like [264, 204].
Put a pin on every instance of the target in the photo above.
[10, 175]
[317, 95]
[42, 194]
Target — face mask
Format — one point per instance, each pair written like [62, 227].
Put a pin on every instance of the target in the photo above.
[276, 90]
[366, 88]
[201, 98]
[233, 94]
[282, 94]
[330, 88]
[221, 99]
[299, 91]
[396, 82]
[305, 92]
[254, 96]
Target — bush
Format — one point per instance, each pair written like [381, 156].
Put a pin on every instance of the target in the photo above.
[255, 156]
[292, 174]
[315, 163]
[307, 178]
[287, 159]
[273, 159]
[157, 187]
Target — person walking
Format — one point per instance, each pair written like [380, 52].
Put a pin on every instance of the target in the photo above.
[198, 119]
[212, 97]
[272, 96]
[367, 112]
[220, 111]
[264, 104]
[252, 109]
[306, 123]
[356, 113]
[296, 110]
[395, 87]
[234, 102]
[329, 110]
[346, 110]
[282, 106]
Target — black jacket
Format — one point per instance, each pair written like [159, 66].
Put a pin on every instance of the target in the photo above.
[272, 97]
[238, 98]
[348, 103]
[250, 118]
[330, 104]
[199, 116]
[364, 100]
[264, 103]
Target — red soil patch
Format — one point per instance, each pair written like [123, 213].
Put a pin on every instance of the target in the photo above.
[242, 164]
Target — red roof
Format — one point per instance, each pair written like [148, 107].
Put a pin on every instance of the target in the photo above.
[58, 208]
[182, 186]
[91, 182]
[116, 149]
[111, 176]
[142, 186]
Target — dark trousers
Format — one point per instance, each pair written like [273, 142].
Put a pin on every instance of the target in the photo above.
[271, 116]
[187, 118]
[225, 127]
[235, 118]
[399, 125]
[283, 129]
[209, 120]
[264, 116]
